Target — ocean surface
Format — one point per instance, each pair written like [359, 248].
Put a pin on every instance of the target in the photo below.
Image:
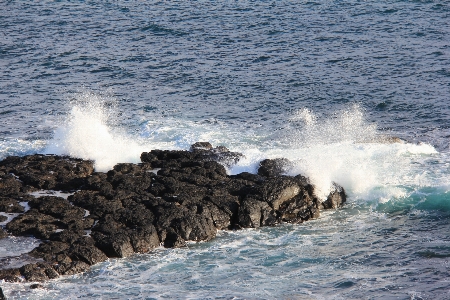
[322, 83]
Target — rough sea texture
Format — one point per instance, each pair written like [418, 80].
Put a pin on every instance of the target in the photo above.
[317, 82]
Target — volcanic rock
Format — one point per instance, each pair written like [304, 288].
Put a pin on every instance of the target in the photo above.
[38, 272]
[336, 198]
[33, 223]
[274, 167]
[10, 205]
[172, 197]
[48, 171]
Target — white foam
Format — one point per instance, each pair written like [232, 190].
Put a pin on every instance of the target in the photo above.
[342, 147]
[346, 149]
[89, 134]
[42, 193]
[20, 147]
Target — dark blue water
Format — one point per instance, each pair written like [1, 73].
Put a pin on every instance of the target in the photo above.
[318, 82]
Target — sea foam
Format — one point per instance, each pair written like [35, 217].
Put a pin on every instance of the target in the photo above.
[345, 148]
[342, 147]
[90, 133]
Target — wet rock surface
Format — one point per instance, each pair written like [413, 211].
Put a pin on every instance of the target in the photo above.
[170, 198]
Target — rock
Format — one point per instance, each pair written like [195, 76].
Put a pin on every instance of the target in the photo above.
[275, 191]
[10, 275]
[9, 185]
[95, 203]
[143, 239]
[2, 296]
[173, 240]
[224, 210]
[57, 207]
[130, 182]
[38, 272]
[33, 223]
[36, 286]
[114, 245]
[10, 205]
[49, 250]
[301, 208]
[192, 222]
[274, 167]
[254, 213]
[205, 151]
[201, 146]
[3, 218]
[72, 267]
[84, 250]
[68, 236]
[336, 198]
[200, 151]
[48, 171]
[130, 209]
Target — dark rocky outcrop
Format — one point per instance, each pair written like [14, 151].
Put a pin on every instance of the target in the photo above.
[3, 233]
[171, 198]
[48, 171]
[274, 167]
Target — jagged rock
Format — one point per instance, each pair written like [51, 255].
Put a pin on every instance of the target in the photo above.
[221, 154]
[10, 275]
[95, 203]
[336, 198]
[36, 286]
[173, 239]
[84, 250]
[33, 223]
[135, 182]
[254, 213]
[200, 151]
[57, 207]
[275, 191]
[189, 222]
[143, 239]
[49, 250]
[274, 167]
[38, 272]
[3, 218]
[126, 231]
[114, 245]
[48, 171]
[67, 236]
[201, 146]
[9, 185]
[301, 208]
[71, 267]
[3, 234]
[130, 209]
[10, 205]
[2, 296]
[223, 209]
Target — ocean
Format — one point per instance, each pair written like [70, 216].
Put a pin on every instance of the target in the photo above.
[322, 83]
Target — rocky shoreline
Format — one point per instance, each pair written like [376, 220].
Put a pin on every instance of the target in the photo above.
[170, 198]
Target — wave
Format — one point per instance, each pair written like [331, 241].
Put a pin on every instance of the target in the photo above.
[341, 147]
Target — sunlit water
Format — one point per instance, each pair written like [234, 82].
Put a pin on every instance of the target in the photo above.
[320, 83]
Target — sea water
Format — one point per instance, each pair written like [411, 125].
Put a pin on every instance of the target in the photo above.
[322, 83]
